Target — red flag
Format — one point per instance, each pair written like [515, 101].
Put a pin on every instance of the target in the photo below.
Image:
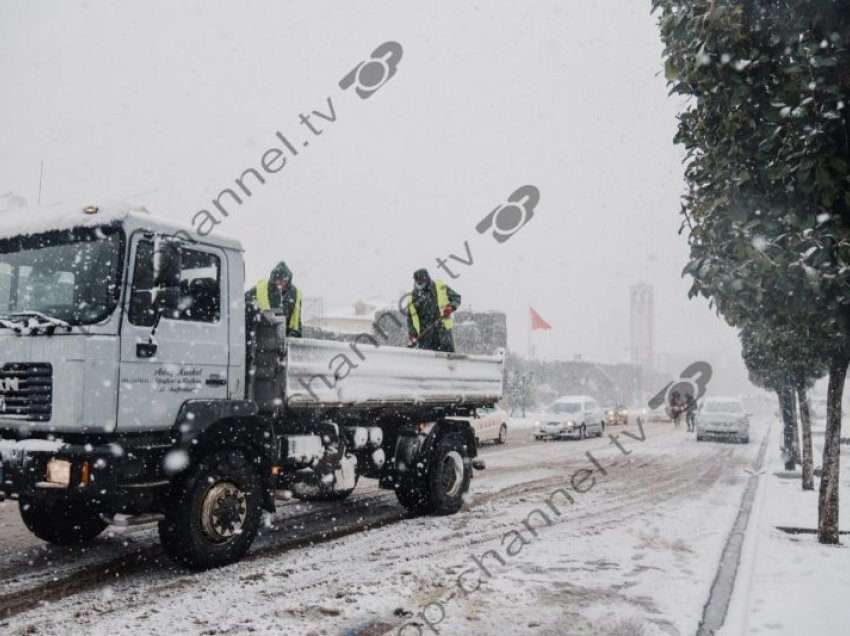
[537, 322]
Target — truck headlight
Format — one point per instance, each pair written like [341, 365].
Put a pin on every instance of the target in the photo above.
[59, 472]
[536, 423]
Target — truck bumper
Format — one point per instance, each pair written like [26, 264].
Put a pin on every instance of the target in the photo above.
[24, 468]
[95, 474]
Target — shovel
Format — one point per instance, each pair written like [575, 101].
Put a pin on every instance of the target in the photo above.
[426, 331]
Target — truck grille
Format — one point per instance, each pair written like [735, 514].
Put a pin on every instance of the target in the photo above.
[26, 391]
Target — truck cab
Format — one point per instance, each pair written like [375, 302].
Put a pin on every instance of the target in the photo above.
[135, 383]
[76, 318]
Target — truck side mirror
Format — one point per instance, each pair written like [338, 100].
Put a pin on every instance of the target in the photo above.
[167, 267]
[166, 262]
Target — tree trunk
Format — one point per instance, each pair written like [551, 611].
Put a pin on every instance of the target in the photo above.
[828, 496]
[806, 424]
[789, 421]
[797, 460]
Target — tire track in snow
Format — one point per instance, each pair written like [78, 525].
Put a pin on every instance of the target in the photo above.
[663, 482]
[378, 508]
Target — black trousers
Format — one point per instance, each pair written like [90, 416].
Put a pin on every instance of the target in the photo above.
[438, 339]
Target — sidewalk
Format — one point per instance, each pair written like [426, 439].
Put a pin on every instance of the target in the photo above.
[789, 583]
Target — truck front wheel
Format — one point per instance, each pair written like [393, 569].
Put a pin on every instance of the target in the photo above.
[61, 522]
[214, 514]
[442, 489]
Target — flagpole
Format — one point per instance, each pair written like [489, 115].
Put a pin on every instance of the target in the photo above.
[529, 331]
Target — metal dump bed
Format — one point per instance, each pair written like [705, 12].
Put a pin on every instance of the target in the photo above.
[307, 373]
[330, 373]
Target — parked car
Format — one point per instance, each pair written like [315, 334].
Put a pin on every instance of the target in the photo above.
[723, 418]
[490, 425]
[658, 414]
[617, 415]
[572, 416]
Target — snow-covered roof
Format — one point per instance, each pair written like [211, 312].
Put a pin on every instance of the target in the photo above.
[35, 220]
[573, 398]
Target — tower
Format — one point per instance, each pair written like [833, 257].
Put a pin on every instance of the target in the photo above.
[642, 326]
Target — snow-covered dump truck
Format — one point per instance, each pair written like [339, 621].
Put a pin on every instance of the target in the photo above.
[135, 385]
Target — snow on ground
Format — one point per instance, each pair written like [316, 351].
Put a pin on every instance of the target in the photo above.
[789, 583]
[633, 553]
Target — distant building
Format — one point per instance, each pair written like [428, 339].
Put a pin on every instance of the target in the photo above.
[351, 319]
[611, 384]
[642, 326]
[475, 332]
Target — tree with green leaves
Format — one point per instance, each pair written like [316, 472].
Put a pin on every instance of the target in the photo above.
[779, 360]
[767, 209]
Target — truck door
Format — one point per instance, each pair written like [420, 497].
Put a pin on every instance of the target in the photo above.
[188, 356]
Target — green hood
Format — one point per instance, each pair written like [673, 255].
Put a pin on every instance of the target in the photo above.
[280, 271]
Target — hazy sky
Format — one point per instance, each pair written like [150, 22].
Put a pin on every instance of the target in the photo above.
[124, 98]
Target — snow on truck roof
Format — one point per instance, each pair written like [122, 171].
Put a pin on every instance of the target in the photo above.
[36, 220]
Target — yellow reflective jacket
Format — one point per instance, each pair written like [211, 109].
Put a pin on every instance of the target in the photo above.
[264, 303]
[442, 303]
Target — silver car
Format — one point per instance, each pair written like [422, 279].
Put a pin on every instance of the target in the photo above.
[723, 418]
[574, 416]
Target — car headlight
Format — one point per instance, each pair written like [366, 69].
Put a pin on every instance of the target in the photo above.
[570, 423]
[610, 413]
[536, 423]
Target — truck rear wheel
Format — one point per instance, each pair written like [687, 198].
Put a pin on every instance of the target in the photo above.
[60, 521]
[214, 514]
[442, 489]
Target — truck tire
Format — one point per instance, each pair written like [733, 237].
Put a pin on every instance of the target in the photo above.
[442, 489]
[60, 522]
[503, 434]
[214, 514]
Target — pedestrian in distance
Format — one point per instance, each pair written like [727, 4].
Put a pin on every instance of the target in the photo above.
[674, 409]
[690, 412]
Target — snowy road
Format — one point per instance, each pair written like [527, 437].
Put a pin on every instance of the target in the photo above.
[557, 537]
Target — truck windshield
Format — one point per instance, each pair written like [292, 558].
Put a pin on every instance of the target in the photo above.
[70, 275]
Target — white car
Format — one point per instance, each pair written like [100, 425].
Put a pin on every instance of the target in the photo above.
[490, 425]
[572, 416]
[723, 418]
